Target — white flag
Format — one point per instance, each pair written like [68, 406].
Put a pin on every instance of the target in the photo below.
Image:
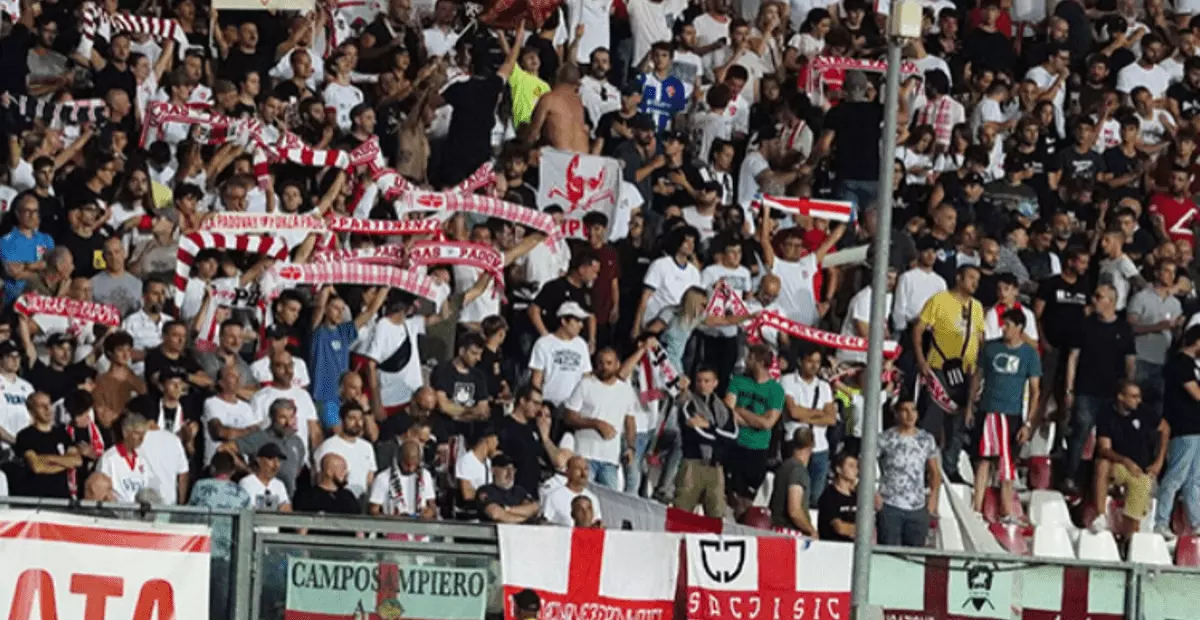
[579, 184]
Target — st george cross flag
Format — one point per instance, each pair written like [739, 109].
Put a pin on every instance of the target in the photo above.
[766, 577]
[579, 184]
[586, 572]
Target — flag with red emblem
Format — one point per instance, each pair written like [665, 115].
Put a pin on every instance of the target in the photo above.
[579, 184]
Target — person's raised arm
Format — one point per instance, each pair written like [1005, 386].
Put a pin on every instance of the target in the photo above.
[765, 227]
[513, 52]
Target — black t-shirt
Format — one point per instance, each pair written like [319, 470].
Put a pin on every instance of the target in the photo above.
[990, 50]
[1085, 165]
[57, 383]
[314, 499]
[557, 292]
[383, 36]
[523, 443]
[474, 102]
[604, 129]
[834, 505]
[491, 364]
[464, 389]
[156, 361]
[857, 134]
[56, 442]
[111, 78]
[1179, 408]
[1134, 435]
[1063, 316]
[489, 494]
[1188, 98]
[1102, 354]
[87, 251]
[239, 63]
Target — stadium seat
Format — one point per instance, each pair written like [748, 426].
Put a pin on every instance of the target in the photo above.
[1049, 508]
[757, 517]
[1011, 537]
[1187, 552]
[1101, 547]
[1039, 472]
[1052, 541]
[1179, 521]
[763, 498]
[1149, 549]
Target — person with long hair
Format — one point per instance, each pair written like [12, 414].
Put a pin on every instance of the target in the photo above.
[917, 155]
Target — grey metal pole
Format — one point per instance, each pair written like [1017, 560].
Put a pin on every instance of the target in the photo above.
[865, 519]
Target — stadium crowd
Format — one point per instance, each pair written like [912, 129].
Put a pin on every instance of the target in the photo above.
[1040, 282]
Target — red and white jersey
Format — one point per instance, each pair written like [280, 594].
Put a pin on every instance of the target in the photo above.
[127, 470]
[1178, 215]
[992, 322]
[799, 286]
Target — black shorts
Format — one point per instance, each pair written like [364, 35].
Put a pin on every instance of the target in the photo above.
[745, 469]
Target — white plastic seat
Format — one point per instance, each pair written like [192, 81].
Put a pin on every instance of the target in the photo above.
[1049, 508]
[1101, 547]
[1149, 549]
[1052, 541]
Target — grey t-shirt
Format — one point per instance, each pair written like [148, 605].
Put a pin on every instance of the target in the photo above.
[123, 291]
[292, 447]
[791, 473]
[1149, 308]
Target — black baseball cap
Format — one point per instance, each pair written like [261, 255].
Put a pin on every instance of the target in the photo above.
[502, 460]
[973, 178]
[643, 121]
[712, 186]
[271, 451]
[8, 347]
[59, 338]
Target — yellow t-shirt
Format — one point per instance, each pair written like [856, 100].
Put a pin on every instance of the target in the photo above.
[526, 90]
[946, 317]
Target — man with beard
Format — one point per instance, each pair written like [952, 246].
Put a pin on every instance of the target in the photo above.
[405, 488]
[357, 452]
[329, 495]
[165, 408]
[281, 433]
[954, 320]
[640, 156]
[146, 325]
[503, 501]
[599, 96]
[461, 389]
[601, 411]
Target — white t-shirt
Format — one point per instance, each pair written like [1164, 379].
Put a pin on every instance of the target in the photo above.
[556, 505]
[342, 99]
[563, 364]
[1044, 79]
[805, 394]
[14, 415]
[992, 323]
[306, 411]
[796, 294]
[669, 281]
[752, 166]
[594, 14]
[652, 22]
[128, 476]
[738, 278]
[1118, 272]
[359, 456]
[230, 415]
[708, 30]
[269, 497]
[261, 371]
[470, 468]
[699, 221]
[381, 492]
[1156, 79]
[860, 310]
[595, 400]
[386, 339]
[487, 304]
[165, 460]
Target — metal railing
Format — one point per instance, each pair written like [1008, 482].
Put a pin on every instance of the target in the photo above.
[250, 580]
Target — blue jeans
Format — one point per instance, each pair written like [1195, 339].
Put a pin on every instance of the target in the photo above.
[905, 528]
[604, 474]
[1088, 408]
[862, 193]
[634, 470]
[1149, 377]
[818, 476]
[671, 447]
[1183, 473]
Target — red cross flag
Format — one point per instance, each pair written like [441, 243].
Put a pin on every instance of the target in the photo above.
[579, 184]
[589, 572]
[766, 577]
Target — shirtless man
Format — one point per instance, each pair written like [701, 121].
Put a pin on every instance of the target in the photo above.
[558, 117]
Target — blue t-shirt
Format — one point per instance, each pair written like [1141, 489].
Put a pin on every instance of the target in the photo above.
[1005, 371]
[329, 358]
[661, 99]
[17, 248]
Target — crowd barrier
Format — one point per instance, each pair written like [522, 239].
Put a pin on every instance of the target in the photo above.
[83, 560]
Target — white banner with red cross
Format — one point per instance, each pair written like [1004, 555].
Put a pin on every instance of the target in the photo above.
[766, 577]
[579, 184]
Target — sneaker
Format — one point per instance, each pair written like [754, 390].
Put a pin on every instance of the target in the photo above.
[1099, 524]
[1165, 532]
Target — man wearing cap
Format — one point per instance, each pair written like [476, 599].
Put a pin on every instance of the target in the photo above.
[675, 183]
[640, 154]
[60, 376]
[281, 433]
[265, 489]
[14, 416]
[560, 359]
[700, 216]
[615, 128]
[502, 501]
[528, 605]
[854, 129]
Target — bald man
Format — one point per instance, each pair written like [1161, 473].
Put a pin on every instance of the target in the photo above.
[413, 494]
[98, 487]
[329, 495]
[558, 118]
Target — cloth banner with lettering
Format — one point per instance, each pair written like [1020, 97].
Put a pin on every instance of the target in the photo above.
[580, 184]
[379, 255]
[287, 275]
[765, 577]
[66, 566]
[338, 590]
[588, 572]
[266, 223]
[795, 329]
[66, 112]
[476, 255]
[30, 304]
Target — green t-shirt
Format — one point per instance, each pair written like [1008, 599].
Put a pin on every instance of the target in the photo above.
[526, 90]
[759, 398]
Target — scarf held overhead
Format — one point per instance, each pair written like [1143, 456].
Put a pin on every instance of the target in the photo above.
[97, 22]
[287, 275]
[30, 304]
[477, 255]
[266, 223]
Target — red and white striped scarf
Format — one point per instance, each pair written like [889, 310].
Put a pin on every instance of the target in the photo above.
[287, 275]
[483, 205]
[97, 443]
[937, 114]
[191, 245]
[97, 22]
[477, 255]
[395, 255]
[30, 304]
[264, 223]
[795, 329]
[159, 113]
[656, 376]
[479, 179]
[834, 210]
[934, 388]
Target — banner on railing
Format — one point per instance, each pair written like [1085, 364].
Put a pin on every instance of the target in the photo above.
[67, 566]
[337, 590]
[581, 573]
[766, 578]
[958, 589]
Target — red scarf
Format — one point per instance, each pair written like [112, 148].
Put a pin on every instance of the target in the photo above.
[131, 457]
[97, 443]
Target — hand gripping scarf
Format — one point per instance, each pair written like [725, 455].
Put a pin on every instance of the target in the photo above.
[477, 255]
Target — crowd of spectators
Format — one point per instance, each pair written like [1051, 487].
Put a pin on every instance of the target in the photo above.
[1040, 281]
